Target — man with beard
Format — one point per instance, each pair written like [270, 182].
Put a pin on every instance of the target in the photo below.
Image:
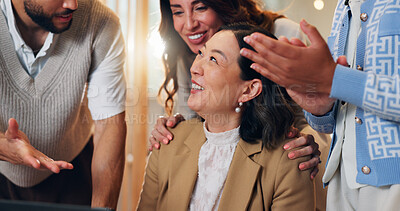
[62, 95]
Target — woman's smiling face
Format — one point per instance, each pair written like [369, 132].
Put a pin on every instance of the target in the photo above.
[195, 22]
[216, 82]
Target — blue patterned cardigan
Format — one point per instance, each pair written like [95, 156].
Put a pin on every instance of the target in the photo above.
[375, 90]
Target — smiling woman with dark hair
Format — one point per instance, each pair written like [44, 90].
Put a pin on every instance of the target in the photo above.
[182, 43]
[186, 25]
[234, 160]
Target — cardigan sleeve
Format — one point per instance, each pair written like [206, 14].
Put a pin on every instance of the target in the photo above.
[301, 123]
[376, 93]
[323, 124]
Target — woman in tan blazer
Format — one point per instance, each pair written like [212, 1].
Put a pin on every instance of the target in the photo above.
[234, 160]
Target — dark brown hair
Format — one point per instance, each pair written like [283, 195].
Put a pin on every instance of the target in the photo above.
[229, 11]
[269, 115]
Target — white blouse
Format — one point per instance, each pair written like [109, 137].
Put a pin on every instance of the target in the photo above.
[214, 160]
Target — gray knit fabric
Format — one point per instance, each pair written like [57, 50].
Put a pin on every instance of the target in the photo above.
[52, 108]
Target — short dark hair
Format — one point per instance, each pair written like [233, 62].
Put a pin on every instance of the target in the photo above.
[269, 115]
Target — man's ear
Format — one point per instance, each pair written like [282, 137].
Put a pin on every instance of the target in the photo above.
[252, 89]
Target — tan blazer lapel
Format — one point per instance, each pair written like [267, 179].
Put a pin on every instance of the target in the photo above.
[241, 177]
[183, 173]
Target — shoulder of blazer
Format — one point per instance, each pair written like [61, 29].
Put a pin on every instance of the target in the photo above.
[184, 128]
[260, 154]
[188, 134]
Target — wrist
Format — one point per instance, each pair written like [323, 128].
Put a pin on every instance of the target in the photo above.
[327, 84]
[3, 144]
[324, 111]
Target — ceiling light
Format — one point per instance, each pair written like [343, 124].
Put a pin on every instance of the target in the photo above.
[319, 4]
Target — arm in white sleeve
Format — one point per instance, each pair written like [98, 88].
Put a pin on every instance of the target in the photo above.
[106, 86]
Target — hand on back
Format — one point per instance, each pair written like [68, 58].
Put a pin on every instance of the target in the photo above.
[160, 133]
[307, 146]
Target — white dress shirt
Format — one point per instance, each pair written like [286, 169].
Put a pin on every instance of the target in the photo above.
[345, 151]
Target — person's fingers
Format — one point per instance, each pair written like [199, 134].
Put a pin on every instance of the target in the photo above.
[268, 73]
[309, 138]
[265, 44]
[171, 121]
[342, 60]
[153, 143]
[175, 120]
[270, 65]
[312, 33]
[161, 137]
[161, 120]
[29, 160]
[284, 39]
[308, 150]
[311, 141]
[12, 130]
[314, 172]
[296, 132]
[26, 154]
[293, 132]
[264, 53]
[48, 163]
[316, 149]
[313, 162]
[298, 142]
[261, 65]
[63, 164]
[295, 41]
[160, 131]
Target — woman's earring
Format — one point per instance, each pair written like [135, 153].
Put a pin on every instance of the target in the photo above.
[237, 109]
